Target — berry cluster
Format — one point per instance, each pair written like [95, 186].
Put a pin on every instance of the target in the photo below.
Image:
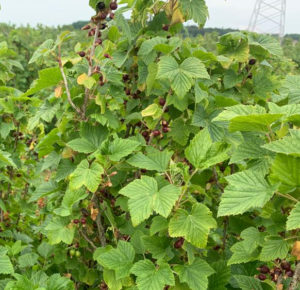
[281, 268]
[81, 221]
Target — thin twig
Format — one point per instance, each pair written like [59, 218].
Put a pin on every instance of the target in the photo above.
[296, 278]
[90, 71]
[87, 239]
[66, 83]
[287, 196]
[101, 232]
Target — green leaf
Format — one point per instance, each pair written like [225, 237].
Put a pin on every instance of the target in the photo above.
[235, 46]
[248, 283]
[274, 248]
[150, 277]
[5, 157]
[86, 174]
[292, 84]
[6, 266]
[81, 145]
[120, 148]
[220, 278]
[195, 275]
[195, 10]
[145, 197]
[154, 160]
[181, 76]
[289, 145]
[59, 230]
[203, 153]
[158, 224]
[293, 221]
[241, 254]
[260, 123]
[47, 78]
[120, 259]
[28, 260]
[42, 51]
[285, 169]
[159, 247]
[193, 226]
[262, 43]
[246, 190]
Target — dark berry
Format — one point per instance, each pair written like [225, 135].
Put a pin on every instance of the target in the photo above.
[19, 175]
[252, 61]
[103, 26]
[165, 123]
[83, 221]
[217, 247]
[156, 133]
[289, 273]
[143, 170]
[81, 53]
[285, 266]
[111, 15]
[125, 78]
[277, 271]
[106, 55]
[178, 244]
[86, 27]
[264, 269]
[165, 27]
[262, 277]
[92, 32]
[250, 76]
[127, 92]
[145, 134]
[165, 129]
[261, 228]
[76, 221]
[101, 6]
[98, 41]
[135, 96]
[113, 5]
[103, 16]
[162, 102]
[278, 260]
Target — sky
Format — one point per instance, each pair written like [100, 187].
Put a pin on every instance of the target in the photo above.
[223, 13]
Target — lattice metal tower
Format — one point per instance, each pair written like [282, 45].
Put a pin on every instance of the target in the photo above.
[268, 17]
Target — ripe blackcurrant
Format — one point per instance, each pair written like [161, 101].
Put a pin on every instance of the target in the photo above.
[165, 27]
[83, 221]
[103, 16]
[86, 27]
[178, 244]
[162, 102]
[252, 61]
[290, 273]
[113, 5]
[101, 6]
[156, 133]
[165, 129]
[264, 269]
[81, 53]
[285, 266]
[262, 277]
[76, 221]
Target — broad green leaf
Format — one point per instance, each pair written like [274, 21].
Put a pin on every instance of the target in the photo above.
[220, 278]
[203, 153]
[195, 275]
[285, 169]
[249, 149]
[28, 260]
[45, 249]
[246, 190]
[293, 221]
[289, 145]
[56, 282]
[150, 277]
[120, 148]
[154, 160]
[260, 123]
[42, 51]
[195, 10]
[274, 248]
[181, 76]
[241, 254]
[59, 230]
[6, 266]
[120, 259]
[159, 247]
[193, 226]
[5, 158]
[47, 78]
[152, 110]
[262, 43]
[292, 84]
[235, 46]
[248, 283]
[145, 197]
[86, 174]
[148, 45]
[43, 190]
[81, 145]
[158, 224]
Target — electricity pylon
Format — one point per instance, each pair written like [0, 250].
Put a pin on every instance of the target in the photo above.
[268, 17]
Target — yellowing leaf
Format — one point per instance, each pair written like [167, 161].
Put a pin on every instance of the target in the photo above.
[58, 92]
[86, 81]
[177, 16]
[152, 111]
[296, 250]
[67, 153]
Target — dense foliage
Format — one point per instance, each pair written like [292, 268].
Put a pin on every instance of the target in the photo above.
[141, 160]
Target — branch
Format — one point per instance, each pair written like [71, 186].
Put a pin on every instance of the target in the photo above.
[287, 196]
[87, 239]
[66, 83]
[90, 71]
[296, 278]
[101, 232]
